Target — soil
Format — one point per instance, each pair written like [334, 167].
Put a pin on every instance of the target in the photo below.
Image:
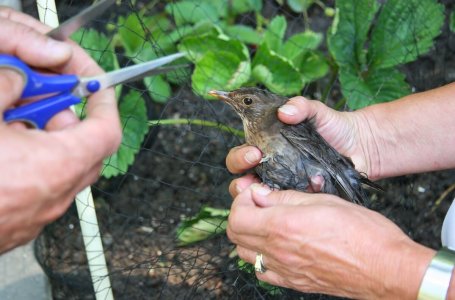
[181, 168]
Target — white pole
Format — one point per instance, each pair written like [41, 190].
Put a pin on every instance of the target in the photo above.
[84, 200]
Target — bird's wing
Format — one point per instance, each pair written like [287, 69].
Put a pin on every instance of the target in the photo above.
[305, 138]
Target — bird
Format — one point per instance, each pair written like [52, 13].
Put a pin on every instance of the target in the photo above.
[294, 156]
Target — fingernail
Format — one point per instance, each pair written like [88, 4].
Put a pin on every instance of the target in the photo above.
[260, 189]
[252, 157]
[288, 109]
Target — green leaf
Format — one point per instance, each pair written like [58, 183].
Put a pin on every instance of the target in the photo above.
[452, 21]
[312, 65]
[244, 6]
[276, 72]
[274, 34]
[158, 23]
[146, 53]
[300, 5]
[299, 43]
[131, 34]
[348, 33]
[133, 116]
[197, 46]
[380, 85]
[207, 223]
[404, 30]
[188, 11]
[220, 70]
[98, 46]
[245, 34]
[158, 88]
[249, 268]
[203, 27]
[179, 76]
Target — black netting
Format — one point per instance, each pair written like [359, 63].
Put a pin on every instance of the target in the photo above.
[179, 167]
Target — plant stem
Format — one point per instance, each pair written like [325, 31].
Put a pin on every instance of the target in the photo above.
[333, 78]
[320, 4]
[340, 104]
[236, 132]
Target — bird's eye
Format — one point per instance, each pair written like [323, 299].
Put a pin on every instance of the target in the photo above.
[247, 101]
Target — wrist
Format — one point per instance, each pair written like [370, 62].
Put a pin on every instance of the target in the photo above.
[407, 268]
[368, 142]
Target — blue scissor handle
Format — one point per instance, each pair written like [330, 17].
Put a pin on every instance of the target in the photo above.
[36, 83]
[40, 112]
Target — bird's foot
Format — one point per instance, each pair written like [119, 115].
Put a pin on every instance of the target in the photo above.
[264, 159]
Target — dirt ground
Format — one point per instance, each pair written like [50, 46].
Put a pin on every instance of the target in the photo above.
[181, 168]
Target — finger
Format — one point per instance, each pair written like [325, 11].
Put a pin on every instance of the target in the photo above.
[16, 125]
[272, 278]
[298, 109]
[99, 134]
[246, 254]
[242, 158]
[263, 196]
[240, 184]
[11, 85]
[63, 119]
[38, 50]
[245, 218]
[269, 275]
[18, 17]
[102, 122]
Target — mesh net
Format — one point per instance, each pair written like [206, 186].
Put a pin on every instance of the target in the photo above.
[179, 166]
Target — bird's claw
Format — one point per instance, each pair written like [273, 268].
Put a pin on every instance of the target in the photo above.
[264, 159]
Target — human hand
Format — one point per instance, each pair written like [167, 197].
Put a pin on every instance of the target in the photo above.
[320, 243]
[44, 170]
[347, 132]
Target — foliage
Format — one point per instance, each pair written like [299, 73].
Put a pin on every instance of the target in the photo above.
[223, 62]
[207, 223]
[249, 268]
[132, 109]
[133, 117]
[100, 49]
[403, 30]
[220, 49]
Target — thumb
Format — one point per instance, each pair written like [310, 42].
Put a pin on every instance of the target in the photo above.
[263, 196]
[299, 109]
[11, 85]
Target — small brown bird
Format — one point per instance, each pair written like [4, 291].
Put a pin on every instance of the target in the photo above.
[294, 156]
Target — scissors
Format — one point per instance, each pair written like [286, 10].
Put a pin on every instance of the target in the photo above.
[67, 90]
[64, 90]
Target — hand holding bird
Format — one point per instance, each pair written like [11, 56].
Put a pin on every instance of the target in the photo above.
[294, 156]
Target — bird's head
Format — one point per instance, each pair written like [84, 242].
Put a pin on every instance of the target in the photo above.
[256, 107]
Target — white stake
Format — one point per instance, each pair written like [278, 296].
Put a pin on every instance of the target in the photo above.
[84, 201]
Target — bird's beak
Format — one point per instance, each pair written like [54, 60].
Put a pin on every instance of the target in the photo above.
[223, 96]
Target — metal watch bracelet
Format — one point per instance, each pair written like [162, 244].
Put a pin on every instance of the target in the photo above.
[435, 282]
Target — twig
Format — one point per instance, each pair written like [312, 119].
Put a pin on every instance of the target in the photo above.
[442, 197]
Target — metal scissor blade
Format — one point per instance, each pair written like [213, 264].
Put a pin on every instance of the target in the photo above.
[158, 71]
[70, 26]
[124, 75]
